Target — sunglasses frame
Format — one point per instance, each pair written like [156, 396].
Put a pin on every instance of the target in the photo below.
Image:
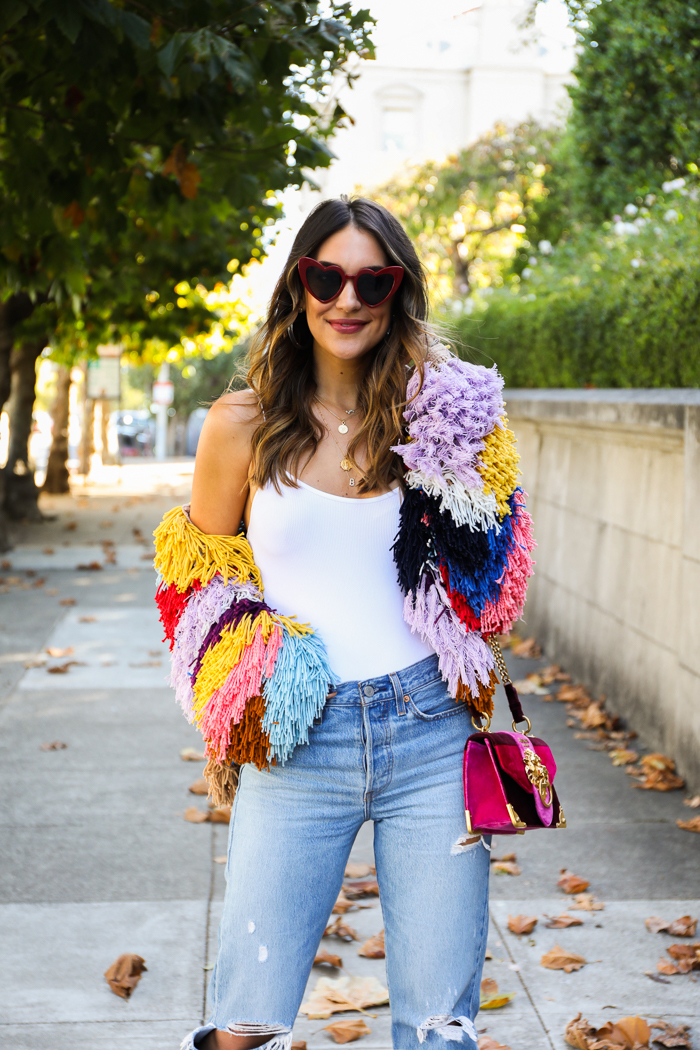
[306, 262]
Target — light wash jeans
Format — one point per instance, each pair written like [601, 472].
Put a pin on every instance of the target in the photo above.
[388, 750]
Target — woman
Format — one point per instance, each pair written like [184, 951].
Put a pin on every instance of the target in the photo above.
[363, 715]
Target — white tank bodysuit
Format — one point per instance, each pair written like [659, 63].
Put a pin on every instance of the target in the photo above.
[327, 560]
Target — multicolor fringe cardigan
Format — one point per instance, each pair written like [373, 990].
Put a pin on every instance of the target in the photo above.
[254, 681]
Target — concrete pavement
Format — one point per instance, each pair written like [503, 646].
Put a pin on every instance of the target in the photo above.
[97, 859]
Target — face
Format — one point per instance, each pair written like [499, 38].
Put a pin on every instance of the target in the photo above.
[345, 327]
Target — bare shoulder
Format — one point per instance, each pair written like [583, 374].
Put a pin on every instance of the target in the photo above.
[235, 410]
[224, 454]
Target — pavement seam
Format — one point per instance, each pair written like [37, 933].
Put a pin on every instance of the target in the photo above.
[525, 988]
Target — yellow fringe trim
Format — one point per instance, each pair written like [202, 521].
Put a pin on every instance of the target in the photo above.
[184, 553]
[498, 465]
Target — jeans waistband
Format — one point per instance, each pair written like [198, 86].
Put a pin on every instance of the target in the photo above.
[386, 687]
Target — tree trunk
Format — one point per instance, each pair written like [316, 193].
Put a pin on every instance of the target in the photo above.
[13, 310]
[57, 477]
[21, 492]
[87, 442]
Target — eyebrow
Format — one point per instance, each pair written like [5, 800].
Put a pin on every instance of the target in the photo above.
[326, 262]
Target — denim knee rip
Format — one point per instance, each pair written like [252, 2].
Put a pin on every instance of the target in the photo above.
[466, 842]
[281, 1035]
[450, 1028]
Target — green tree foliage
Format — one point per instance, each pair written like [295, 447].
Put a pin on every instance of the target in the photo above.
[635, 120]
[614, 306]
[465, 215]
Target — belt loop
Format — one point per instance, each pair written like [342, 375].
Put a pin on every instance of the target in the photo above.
[398, 693]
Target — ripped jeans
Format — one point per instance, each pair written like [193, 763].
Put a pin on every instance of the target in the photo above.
[389, 750]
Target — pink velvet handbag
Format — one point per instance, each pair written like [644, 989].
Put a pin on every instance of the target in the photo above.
[509, 777]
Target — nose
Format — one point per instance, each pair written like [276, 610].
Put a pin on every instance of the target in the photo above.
[347, 300]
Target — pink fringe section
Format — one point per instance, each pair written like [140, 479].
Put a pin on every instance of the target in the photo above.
[463, 655]
[226, 705]
[498, 617]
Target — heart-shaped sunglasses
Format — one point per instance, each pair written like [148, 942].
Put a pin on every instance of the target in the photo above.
[326, 281]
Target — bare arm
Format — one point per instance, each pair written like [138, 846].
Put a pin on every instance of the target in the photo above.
[220, 485]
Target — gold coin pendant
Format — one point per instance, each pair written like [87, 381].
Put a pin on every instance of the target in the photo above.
[346, 464]
[343, 428]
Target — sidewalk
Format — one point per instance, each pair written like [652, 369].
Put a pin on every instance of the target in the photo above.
[97, 859]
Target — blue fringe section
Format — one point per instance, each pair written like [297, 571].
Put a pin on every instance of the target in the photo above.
[484, 584]
[296, 693]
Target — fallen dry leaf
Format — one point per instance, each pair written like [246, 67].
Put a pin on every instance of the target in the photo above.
[87, 619]
[655, 977]
[221, 860]
[355, 890]
[579, 1033]
[485, 1042]
[347, 1031]
[622, 757]
[199, 787]
[67, 601]
[554, 673]
[374, 947]
[70, 525]
[562, 922]
[506, 857]
[53, 650]
[328, 959]
[570, 883]
[559, 959]
[358, 871]
[330, 996]
[689, 825]
[531, 686]
[506, 867]
[593, 716]
[299, 1044]
[51, 592]
[693, 802]
[574, 694]
[55, 745]
[195, 816]
[683, 927]
[672, 1035]
[91, 566]
[124, 974]
[219, 814]
[667, 967]
[340, 929]
[686, 956]
[65, 668]
[490, 998]
[190, 754]
[342, 904]
[522, 923]
[659, 773]
[630, 1032]
[47, 550]
[586, 902]
[528, 649]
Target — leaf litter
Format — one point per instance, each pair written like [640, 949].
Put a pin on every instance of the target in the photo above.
[324, 958]
[522, 923]
[373, 948]
[124, 974]
[560, 959]
[358, 871]
[485, 1042]
[491, 997]
[689, 825]
[571, 883]
[562, 922]
[683, 927]
[340, 929]
[347, 1031]
[338, 995]
[686, 958]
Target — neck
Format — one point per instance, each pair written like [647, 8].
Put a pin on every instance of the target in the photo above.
[337, 381]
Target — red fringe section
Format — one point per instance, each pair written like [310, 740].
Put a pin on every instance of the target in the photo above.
[171, 604]
[459, 603]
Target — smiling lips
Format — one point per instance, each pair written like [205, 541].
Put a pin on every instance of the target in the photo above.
[347, 326]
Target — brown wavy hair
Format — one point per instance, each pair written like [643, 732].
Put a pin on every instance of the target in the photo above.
[281, 369]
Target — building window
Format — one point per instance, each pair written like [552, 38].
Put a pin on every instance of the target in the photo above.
[399, 129]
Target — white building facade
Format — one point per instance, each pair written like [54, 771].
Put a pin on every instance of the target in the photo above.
[445, 73]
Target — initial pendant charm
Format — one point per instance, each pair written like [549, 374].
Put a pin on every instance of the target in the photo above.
[351, 481]
[346, 464]
[343, 428]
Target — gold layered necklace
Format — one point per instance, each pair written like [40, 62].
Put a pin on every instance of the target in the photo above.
[345, 464]
[343, 428]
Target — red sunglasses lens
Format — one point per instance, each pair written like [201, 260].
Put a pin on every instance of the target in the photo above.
[324, 285]
[373, 288]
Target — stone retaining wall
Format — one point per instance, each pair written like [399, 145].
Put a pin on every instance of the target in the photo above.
[613, 478]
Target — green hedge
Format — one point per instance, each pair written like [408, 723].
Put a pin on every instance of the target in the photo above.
[587, 315]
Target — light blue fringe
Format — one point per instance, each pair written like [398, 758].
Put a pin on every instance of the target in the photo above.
[296, 693]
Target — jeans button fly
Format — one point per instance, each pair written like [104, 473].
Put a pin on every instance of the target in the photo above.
[368, 690]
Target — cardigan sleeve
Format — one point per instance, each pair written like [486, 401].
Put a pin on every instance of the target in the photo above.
[463, 550]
